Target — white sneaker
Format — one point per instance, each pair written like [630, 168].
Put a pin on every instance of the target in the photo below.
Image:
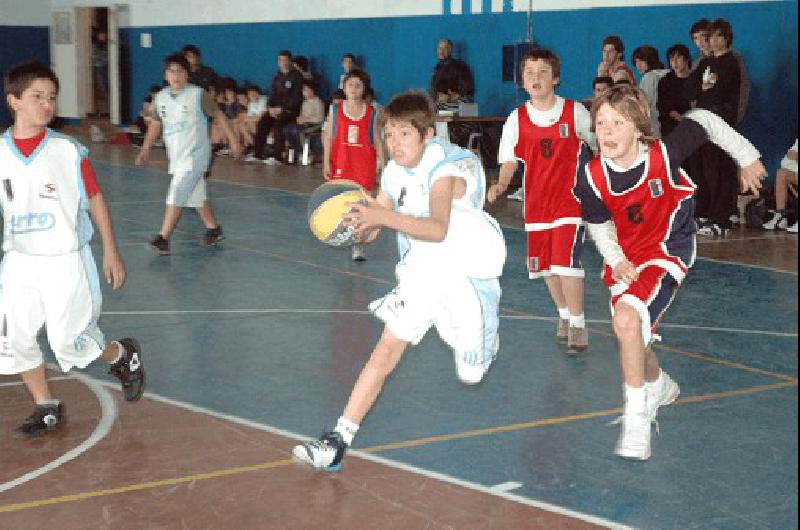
[634, 438]
[713, 230]
[251, 158]
[469, 374]
[792, 229]
[271, 161]
[662, 395]
[734, 219]
[325, 453]
[517, 195]
[777, 222]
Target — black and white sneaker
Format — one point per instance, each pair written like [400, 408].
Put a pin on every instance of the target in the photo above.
[160, 245]
[712, 229]
[45, 419]
[213, 236]
[325, 453]
[129, 370]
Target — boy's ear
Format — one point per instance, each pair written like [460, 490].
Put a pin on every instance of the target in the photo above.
[11, 101]
[429, 134]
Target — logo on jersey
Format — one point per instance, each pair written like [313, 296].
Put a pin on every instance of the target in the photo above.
[533, 264]
[352, 134]
[5, 347]
[402, 198]
[656, 189]
[635, 215]
[48, 191]
[32, 222]
[546, 146]
[563, 130]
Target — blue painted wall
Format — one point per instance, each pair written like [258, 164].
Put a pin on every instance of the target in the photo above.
[19, 44]
[399, 53]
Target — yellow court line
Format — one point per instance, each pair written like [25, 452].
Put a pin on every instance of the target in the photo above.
[375, 449]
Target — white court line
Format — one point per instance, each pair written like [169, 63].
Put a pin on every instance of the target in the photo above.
[385, 461]
[108, 415]
[507, 486]
[364, 312]
[737, 264]
[134, 203]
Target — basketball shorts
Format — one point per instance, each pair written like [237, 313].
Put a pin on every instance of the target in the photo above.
[650, 295]
[61, 293]
[464, 311]
[187, 189]
[556, 251]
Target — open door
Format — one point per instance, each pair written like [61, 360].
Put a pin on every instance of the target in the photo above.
[113, 67]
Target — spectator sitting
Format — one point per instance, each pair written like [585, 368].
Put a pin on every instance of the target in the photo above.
[785, 180]
[671, 102]
[229, 105]
[256, 107]
[599, 85]
[650, 67]
[199, 74]
[348, 63]
[312, 114]
[612, 65]
[452, 72]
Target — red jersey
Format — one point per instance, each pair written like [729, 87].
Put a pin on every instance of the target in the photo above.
[551, 166]
[353, 156]
[644, 214]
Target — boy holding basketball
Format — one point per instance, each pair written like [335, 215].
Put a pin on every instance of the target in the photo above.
[349, 140]
[639, 206]
[48, 276]
[451, 255]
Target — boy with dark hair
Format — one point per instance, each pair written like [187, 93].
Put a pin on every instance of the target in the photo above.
[612, 64]
[547, 134]
[638, 204]
[715, 85]
[671, 102]
[451, 255]
[699, 33]
[48, 276]
[182, 110]
[199, 74]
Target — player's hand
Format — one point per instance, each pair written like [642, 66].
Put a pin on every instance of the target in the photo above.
[625, 272]
[370, 235]
[602, 69]
[751, 176]
[326, 170]
[114, 269]
[365, 216]
[142, 157]
[236, 149]
[495, 191]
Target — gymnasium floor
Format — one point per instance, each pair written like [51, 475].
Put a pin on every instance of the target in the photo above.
[255, 344]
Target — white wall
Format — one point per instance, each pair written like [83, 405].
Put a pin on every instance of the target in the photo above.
[24, 13]
[556, 5]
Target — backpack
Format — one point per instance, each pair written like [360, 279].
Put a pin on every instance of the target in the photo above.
[756, 212]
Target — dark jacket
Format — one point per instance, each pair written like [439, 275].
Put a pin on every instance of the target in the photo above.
[723, 98]
[204, 76]
[453, 72]
[670, 97]
[286, 92]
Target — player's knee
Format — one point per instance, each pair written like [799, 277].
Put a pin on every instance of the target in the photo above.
[626, 320]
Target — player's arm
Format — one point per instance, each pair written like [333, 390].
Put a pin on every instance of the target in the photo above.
[377, 141]
[326, 145]
[153, 132]
[113, 266]
[432, 228]
[506, 157]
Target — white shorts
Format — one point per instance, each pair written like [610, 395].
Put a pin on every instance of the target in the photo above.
[61, 293]
[463, 310]
[187, 189]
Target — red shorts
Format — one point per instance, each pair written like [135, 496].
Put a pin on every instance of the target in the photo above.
[651, 295]
[556, 251]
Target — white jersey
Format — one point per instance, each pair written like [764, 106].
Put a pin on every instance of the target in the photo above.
[474, 245]
[185, 128]
[44, 203]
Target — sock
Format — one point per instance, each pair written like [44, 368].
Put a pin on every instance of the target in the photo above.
[563, 313]
[577, 321]
[45, 402]
[635, 398]
[120, 351]
[347, 429]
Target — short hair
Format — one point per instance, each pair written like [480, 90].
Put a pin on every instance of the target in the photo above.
[155, 89]
[616, 42]
[176, 58]
[251, 86]
[227, 83]
[349, 56]
[603, 80]
[301, 61]
[338, 94]
[361, 75]
[310, 84]
[285, 53]
[191, 48]
[701, 25]
[241, 91]
[446, 41]
[649, 55]
[413, 107]
[724, 28]
[679, 49]
[629, 101]
[20, 77]
[542, 54]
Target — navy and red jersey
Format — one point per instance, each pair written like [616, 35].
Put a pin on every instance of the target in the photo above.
[551, 163]
[27, 146]
[353, 155]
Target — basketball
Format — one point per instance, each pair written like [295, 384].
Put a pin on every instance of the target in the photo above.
[326, 207]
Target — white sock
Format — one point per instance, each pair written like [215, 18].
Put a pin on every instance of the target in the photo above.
[635, 399]
[120, 351]
[577, 321]
[563, 313]
[347, 429]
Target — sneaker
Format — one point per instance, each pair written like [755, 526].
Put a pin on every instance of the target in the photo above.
[129, 370]
[252, 158]
[577, 339]
[734, 219]
[469, 374]
[634, 438]
[661, 396]
[562, 330]
[224, 152]
[358, 252]
[45, 418]
[517, 195]
[213, 236]
[271, 161]
[160, 245]
[792, 229]
[713, 230]
[777, 222]
[325, 453]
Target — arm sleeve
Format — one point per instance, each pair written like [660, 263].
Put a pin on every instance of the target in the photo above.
[583, 126]
[89, 178]
[604, 236]
[725, 136]
[508, 139]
